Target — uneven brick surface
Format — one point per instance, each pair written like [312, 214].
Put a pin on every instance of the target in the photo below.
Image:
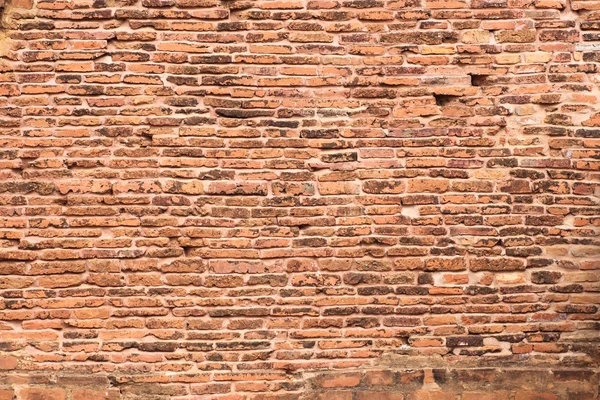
[220, 199]
[458, 383]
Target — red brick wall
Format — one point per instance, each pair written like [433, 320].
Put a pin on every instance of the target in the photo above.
[221, 199]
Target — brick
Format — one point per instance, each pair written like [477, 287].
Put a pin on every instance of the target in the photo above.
[7, 394]
[379, 396]
[428, 185]
[375, 378]
[432, 395]
[22, 3]
[337, 395]
[339, 380]
[535, 396]
[91, 394]
[498, 264]
[8, 362]
[42, 394]
[496, 395]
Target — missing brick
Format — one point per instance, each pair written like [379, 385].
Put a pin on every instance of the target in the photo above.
[479, 80]
[444, 99]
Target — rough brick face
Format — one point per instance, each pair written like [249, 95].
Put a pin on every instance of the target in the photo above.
[216, 199]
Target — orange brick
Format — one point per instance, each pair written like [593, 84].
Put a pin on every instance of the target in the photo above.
[42, 394]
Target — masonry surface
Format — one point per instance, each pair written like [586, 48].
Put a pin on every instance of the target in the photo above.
[299, 199]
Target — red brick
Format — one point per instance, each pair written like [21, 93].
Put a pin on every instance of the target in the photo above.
[8, 362]
[42, 394]
[337, 395]
[379, 396]
[21, 3]
[535, 396]
[7, 394]
[93, 394]
[432, 395]
[339, 380]
[495, 395]
[375, 378]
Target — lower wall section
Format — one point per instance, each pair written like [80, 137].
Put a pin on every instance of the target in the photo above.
[453, 384]
[367, 384]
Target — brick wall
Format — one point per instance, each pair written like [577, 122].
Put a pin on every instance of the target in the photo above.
[235, 199]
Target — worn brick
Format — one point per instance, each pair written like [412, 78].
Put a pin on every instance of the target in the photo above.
[42, 394]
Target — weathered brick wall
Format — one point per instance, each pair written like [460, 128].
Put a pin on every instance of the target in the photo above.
[218, 198]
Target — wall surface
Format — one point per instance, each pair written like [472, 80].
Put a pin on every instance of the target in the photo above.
[285, 199]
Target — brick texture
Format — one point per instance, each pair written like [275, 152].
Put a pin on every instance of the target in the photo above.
[218, 198]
